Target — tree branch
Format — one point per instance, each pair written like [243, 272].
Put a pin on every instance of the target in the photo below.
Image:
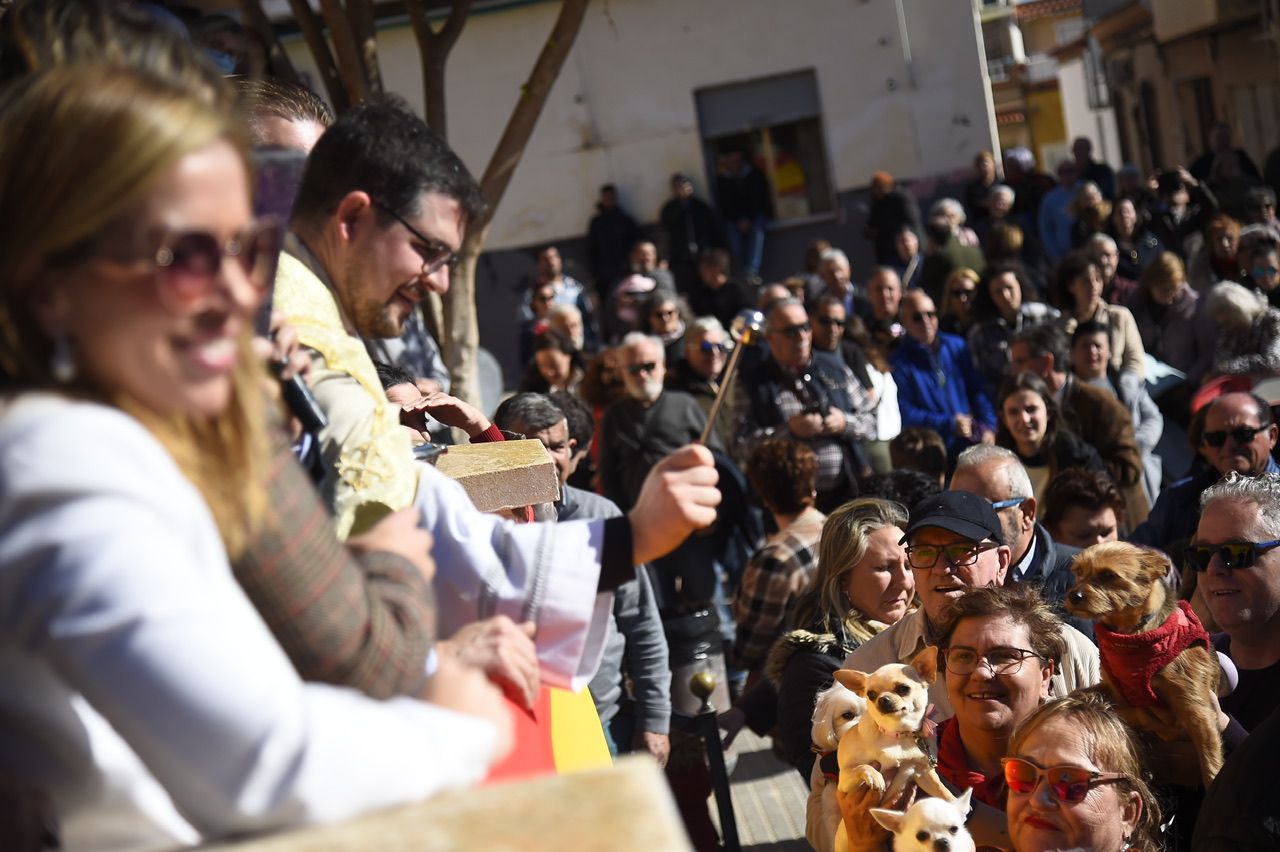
[350, 66]
[278, 61]
[533, 97]
[313, 32]
[364, 33]
[433, 52]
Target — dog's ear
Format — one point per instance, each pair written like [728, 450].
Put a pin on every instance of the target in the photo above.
[889, 820]
[853, 680]
[1155, 565]
[926, 663]
[962, 801]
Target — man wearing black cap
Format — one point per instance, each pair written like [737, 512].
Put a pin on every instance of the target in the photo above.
[954, 542]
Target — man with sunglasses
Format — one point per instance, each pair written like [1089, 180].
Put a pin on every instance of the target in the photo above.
[706, 353]
[381, 211]
[792, 394]
[646, 424]
[1239, 435]
[955, 541]
[1236, 556]
[939, 387]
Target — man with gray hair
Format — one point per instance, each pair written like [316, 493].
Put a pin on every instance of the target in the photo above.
[1116, 289]
[996, 474]
[1236, 557]
[634, 645]
[792, 394]
[647, 424]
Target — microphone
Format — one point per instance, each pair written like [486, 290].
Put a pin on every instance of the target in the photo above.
[302, 403]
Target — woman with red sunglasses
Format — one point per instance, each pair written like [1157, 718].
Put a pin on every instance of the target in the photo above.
[1075, 781]
[144, 697]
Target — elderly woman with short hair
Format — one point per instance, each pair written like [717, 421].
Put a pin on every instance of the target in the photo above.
[1248, 331]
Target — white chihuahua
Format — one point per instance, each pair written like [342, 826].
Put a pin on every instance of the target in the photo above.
[930, 825]
[890, 734]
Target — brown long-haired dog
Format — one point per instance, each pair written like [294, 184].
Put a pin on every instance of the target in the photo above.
[1156, 659]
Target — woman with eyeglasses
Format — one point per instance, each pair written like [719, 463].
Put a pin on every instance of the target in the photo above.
[997, 656]
[144, 693]
[663, 319]
[1075, 779]
[956, 315]
[1031, 425]
[1262, 269]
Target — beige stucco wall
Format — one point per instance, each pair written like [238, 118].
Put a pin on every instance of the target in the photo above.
[623, 110]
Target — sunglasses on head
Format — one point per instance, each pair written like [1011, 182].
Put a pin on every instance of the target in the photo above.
[1241, 435]
[641, 369]
[1234, 554]
[188, 263]
[1070, 784]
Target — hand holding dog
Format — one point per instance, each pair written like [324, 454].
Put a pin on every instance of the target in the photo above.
[503, 650]
[864, 833]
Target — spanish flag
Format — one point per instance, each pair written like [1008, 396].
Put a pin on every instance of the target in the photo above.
[561, 734]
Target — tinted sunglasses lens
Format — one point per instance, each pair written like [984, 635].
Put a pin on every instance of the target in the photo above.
[1198, 558]
[1020, 776]
[1069, 784]
[190, 263]
[260, 254]
[1215, 439]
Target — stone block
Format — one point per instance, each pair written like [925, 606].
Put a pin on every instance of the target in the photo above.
[503, 474]
[625, 808]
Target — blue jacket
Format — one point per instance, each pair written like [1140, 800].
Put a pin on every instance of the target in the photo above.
[1176, 513]
[933, 387]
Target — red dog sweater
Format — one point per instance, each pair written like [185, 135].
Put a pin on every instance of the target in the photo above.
[1130, 659]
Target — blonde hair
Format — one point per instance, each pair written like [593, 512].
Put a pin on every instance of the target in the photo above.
[841, 546]
[1112, 746]
[82, 147]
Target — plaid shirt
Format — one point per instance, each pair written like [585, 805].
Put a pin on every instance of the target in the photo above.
[859, 425]
[776, 575]
[365, 621]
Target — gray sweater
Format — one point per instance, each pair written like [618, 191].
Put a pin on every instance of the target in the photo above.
[635, 642]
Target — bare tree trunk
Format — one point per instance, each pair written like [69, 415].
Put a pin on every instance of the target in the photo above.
[433, 48]
[313, 32]
[364, 33]
[350, 66]
[463, 331]
[277, 60]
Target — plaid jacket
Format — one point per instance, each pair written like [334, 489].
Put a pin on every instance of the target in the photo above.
[773, 579]
[364, 621]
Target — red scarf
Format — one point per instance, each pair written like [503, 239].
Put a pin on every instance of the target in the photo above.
[953, 766]
[1130, 659]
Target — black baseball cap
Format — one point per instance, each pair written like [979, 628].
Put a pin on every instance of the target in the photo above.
[961, 512]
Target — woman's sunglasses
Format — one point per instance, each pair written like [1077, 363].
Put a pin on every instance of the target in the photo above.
[188, 262]
[1234, 554]
[1070, 784]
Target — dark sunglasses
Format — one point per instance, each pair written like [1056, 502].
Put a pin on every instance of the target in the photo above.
[797, 331]
[921, 316]
[1241, 435]
[1234, 554]
[641, 369]
[1264, 271]
[189, 262]
[1070, 784]
[832, 322]
[434, 254]
[709, 347]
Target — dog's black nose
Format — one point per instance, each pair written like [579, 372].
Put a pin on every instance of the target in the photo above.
[1076, 597]
[941, 844]
[886, 704]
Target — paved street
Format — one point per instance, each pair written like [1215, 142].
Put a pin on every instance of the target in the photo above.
[768, 798]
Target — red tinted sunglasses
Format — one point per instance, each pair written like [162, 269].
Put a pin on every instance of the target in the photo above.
[1070, 784]
[188, 262]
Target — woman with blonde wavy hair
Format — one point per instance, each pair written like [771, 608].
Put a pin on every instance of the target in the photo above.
[862, 585]
[145, 697]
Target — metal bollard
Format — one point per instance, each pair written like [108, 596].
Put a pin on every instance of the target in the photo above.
[703, 685]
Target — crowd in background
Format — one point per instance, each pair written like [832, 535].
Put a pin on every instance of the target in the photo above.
[221, 617]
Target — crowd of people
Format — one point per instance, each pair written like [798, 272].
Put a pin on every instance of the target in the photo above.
[221, 619]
